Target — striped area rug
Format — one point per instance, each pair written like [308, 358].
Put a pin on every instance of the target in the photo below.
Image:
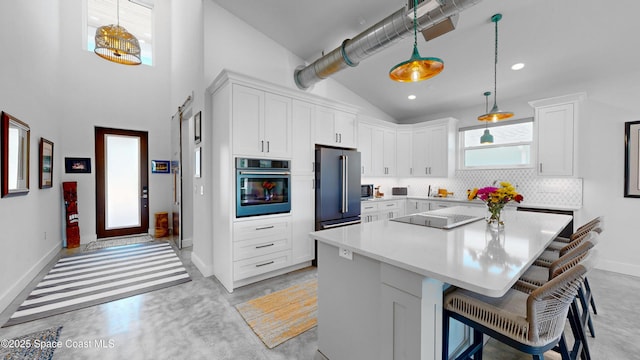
[88, 279]
[284, 314]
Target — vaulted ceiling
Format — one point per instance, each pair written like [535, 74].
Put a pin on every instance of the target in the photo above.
[568, 41]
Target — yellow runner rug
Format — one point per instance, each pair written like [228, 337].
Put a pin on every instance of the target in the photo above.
[284, 314]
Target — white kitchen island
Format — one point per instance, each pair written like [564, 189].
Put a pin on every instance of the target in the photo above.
[386, 302]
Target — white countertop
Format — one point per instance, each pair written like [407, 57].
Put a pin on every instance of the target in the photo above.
[464, 256]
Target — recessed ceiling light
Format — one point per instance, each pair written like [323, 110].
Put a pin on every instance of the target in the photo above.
[517, 66]
[411, 97]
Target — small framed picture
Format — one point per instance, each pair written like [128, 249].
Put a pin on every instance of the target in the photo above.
[46, 164]
[197, 165]
[632, 159]
[197, 128]
[73, 165]
[160, 166]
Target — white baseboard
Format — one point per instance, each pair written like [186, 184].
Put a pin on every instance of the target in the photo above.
[187, 242]
[8, 296]
[205, 270]
[618, 267]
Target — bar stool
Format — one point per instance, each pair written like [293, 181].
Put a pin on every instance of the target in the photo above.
[559, 242]
[579, 317]
[532, 323]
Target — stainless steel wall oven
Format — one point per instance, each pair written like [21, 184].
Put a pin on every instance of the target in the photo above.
[262, 187]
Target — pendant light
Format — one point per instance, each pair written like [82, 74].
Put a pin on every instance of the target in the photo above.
[486, 138]
[417, 68]
[115, 43]
[495, 114]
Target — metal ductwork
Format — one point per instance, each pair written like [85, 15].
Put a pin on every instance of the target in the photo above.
[379, 36]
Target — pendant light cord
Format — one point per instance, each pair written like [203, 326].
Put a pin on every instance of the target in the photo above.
[118, 13]
[415, 23]
[495, 67]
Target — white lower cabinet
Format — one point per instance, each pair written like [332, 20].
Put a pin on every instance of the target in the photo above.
[303, 218]
[260, 246]
[369, 211]
[401, 315]
[381, 210]
[415, 206]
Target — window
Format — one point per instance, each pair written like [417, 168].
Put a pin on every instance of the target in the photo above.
[136, 18]
[511, 147]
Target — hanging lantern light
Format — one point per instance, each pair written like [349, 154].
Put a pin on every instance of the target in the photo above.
[495, 114]
[116, 44]
[486, 138]
[417, 68]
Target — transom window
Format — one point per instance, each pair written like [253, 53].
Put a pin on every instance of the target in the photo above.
[135, 16]
[511, 147]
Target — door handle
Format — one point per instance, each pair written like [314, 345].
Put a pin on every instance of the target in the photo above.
[345, 183]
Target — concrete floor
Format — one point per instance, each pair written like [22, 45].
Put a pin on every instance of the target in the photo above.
[198, 320]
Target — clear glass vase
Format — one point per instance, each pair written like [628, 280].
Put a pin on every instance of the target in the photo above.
[494, 215]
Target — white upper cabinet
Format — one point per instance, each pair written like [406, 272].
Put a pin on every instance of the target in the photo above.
[303, 157]
[365, 146]
[335, 127]
[433, 148]
[555, 128]
[261, 123]
[404, 155]
[377, 145]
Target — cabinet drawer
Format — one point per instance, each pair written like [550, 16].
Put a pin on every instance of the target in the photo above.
[248, 230]
[261, 264]
[368, 207]
[388, 205]
[260, 246]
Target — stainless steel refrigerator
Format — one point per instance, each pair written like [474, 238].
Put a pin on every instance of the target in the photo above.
[337, 187]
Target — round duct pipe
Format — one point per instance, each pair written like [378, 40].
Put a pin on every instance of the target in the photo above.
[377, 37]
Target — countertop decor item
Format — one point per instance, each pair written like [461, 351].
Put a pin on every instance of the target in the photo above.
[417, 68]
[495, 198]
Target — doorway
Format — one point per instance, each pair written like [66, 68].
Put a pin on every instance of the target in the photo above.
[182, 146]
[122, 182]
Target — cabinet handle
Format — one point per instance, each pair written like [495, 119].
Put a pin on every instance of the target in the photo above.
[540, 167]
[410, 171]
[267, 146]
[265, 227]
[362, 170]
[340, 136]
[313, 184]
[262, 146]
[264, 246]
[426, 171]
[337, 138]
[265, 264]
[313, 166]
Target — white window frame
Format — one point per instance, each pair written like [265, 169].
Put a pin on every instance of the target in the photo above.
[462, 148]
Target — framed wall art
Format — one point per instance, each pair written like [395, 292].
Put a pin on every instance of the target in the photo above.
[198, 163]
[197, 128]
[160, 166]
[15, 155]
[631, 159]
[45, 164]
[74, 165]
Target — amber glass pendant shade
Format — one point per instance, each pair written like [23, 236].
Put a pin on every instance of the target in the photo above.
[495, 115]
[416, 68]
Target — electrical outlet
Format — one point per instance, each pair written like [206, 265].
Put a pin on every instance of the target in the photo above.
[345, 253]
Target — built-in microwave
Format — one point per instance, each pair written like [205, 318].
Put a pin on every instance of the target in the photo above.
[262, 187]
[366, 191]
